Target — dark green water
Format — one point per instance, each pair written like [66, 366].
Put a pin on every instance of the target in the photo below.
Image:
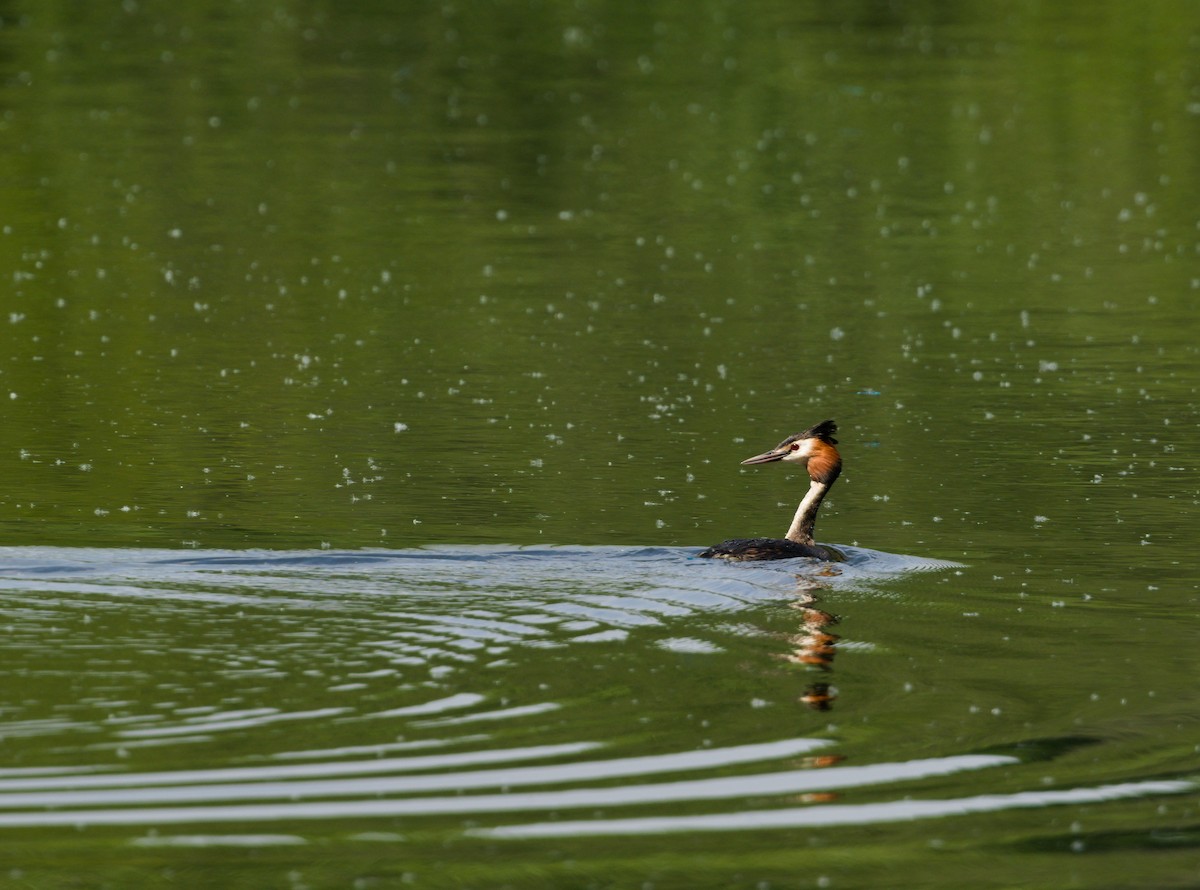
[302, 291]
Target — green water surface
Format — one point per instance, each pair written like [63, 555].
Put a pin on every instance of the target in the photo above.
[304, 275]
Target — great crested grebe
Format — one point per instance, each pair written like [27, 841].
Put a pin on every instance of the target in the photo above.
[814, 450]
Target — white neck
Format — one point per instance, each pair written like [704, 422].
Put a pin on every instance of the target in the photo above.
[805, 519]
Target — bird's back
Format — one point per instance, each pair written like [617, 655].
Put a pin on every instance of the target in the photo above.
[744, 549]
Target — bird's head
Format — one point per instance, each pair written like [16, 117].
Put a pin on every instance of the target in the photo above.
[814, 449]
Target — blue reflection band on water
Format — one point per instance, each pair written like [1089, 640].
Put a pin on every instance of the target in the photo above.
[726, 788]
[828, 816]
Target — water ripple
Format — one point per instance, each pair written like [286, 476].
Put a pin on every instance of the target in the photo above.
[830, 816]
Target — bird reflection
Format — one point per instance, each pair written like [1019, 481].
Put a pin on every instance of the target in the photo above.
[819, 696]
[813, 646]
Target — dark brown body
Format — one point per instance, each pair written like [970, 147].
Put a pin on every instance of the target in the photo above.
[745, 549]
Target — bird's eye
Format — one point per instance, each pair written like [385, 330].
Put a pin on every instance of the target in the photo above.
[795, 446]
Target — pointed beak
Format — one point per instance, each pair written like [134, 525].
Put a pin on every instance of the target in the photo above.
[767, 456]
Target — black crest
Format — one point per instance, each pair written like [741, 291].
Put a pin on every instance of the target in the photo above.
[823, 431]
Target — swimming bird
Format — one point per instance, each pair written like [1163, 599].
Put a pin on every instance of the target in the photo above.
[815, 450]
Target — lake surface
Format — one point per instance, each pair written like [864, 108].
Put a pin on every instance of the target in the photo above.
[373, 377]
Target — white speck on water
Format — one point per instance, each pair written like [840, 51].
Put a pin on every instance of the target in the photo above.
[836, 334]
[207, 841]
[1041, 519]
[603, 636]
[691, 644]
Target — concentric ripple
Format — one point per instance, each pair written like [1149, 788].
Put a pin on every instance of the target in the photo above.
[491, 692]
